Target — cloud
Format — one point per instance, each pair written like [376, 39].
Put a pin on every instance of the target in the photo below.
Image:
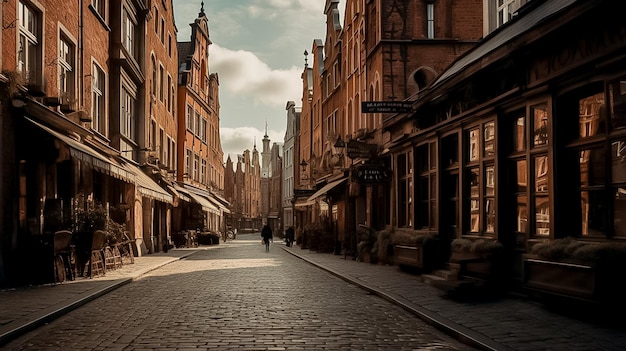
[242, 72]
[233, 139]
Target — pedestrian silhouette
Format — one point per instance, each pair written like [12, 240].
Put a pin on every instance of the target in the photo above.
[266, 234]
[289, 236]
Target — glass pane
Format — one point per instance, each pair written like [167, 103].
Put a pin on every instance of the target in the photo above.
[541, 173]
[618, 161]
[542, 215]
[593, 212]
[592, 170]
[617, 92]
[522, 214]
[490, 139]
[540, 124]
[490, 215]
[590, 115]
[474, 217]
[521, 171]
[619, 213]
[519, 134]
[489, 181]
[474, 182]
[473, 145]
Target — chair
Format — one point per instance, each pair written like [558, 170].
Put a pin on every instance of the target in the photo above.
[96, 261]
[63, 256]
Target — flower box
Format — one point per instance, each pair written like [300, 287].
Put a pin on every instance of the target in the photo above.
[577, 269]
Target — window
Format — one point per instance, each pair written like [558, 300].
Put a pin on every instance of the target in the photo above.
[29, 48]
[161, 84]
[162, 146]
[127, 114]
[600, 149]
[170, 99]
[168, 158]
[480, 213]
[426, 186]
[153, 85]
[188, 157]
[530, 170]
[162, 32]
[129, 32]
[189, 118]
[196, 167]
[99, 6]
[430, 20]
[405, 189]
[197, 126]
[505, 10]
[98, 101]
[156, 20]
[169, 44]
[66, 70]
[203, 172]
[203, 129]
[153, 128]
[173, 99]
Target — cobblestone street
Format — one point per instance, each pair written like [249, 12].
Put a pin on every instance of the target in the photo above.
[235, 296]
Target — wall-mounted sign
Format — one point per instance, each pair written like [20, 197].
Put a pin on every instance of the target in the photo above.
[385, 107]
[359, 149]
[372, 174]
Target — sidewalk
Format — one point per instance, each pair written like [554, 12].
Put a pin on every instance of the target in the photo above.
[512, 323]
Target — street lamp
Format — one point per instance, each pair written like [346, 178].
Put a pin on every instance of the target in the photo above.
[339, 146]
[303, 165]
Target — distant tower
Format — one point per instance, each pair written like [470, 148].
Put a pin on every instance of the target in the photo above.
[266, 156]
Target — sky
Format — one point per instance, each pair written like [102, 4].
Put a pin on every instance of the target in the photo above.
[258, 53]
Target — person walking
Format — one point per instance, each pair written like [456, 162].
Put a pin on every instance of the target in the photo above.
[266, 234]
[289, 236]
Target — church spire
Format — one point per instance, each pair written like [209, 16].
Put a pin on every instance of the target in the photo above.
[201, 14]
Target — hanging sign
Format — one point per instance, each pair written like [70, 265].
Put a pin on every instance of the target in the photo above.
[372, 174]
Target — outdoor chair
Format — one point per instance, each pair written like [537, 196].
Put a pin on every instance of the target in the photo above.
[63, 256]
[96, 260]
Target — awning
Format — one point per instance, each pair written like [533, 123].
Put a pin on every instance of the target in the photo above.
[303, 203]
[198, 196]
[147, 186]
[325, 189]
[215, 199]
[222, 202]
[88, 155]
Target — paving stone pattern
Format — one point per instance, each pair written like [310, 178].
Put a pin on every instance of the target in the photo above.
[238, 297]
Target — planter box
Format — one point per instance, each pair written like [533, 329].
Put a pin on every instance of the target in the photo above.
[561, 278]
[423, 257]
[412, 256]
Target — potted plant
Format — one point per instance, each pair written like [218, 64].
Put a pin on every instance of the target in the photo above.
[416, 250]
[577, 269]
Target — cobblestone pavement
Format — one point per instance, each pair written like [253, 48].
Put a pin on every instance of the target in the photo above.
[510, 323]
[235, 296]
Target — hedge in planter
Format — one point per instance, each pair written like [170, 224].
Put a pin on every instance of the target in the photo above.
[419, 251]
[573, 268]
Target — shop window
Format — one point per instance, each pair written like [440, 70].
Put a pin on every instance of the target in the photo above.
[532, 200]
[600, 149]
[480, 180]
[426, 191]
[405, 188]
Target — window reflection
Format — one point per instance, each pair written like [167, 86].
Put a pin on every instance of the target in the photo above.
[619, 218]
[618, 161]
[540, 124]
[589, 115]
[521, 176]
[489, 181]
[522, 215]
[617, 94]
[490, 138]
[473, 144]
[541, 174]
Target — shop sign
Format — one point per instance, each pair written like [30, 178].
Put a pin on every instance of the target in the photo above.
[372, 174]
[359, 149]
[385, 107]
